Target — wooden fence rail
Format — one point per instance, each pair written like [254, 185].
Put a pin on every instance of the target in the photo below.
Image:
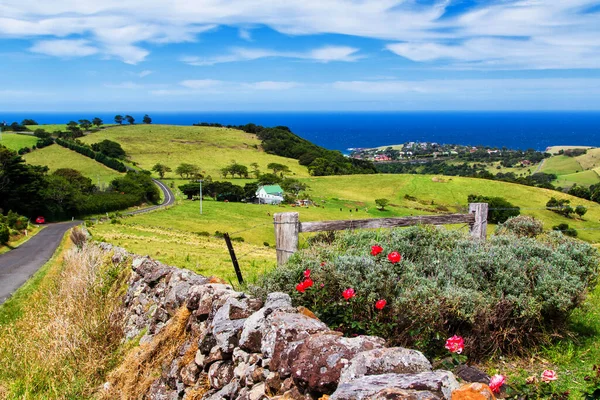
[288, 226]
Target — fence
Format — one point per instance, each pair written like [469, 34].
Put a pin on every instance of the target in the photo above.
[288, 226]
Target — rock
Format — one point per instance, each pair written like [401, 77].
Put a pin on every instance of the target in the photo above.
[473, 391]
[383, 361]
[176, 296]
[257, 392]
[256, 324]
[225, 330]
[160, 391]
[273, 382]
[306, 312]
[286, 332]
[220, 374]
[240, 355]
[228, 391]
[471, 374]
[316, 364]
[293, 394]
[189, 374]
[199, 359]
[216, 354]
[425, 385]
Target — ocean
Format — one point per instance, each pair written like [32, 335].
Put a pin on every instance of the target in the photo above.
[344, 130]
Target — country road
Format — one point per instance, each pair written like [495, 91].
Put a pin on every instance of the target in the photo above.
[19, 264]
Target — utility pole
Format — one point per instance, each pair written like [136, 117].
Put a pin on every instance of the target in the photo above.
[200, 196]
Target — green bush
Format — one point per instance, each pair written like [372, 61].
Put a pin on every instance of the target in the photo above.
[499, 208]
[521, 226]
[502, 295]
[4, 233]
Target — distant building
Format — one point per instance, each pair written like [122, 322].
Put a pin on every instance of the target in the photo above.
[269, 194]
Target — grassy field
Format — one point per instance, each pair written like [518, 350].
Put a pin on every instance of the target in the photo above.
[58, 127]
[556, 149]
[584, 178]
[209, 148]
[561, 165]
[20, 239]
[590, 160]
[56, 157]
[15, 141]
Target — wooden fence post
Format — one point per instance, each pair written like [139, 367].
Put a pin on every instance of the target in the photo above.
[479, 227]
[287, 228]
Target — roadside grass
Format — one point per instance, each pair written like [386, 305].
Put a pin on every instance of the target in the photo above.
[58, 333]
[209, 148]
[14, 141]
[56, 157]
[584, 178]
[561, 165]
[20, 239]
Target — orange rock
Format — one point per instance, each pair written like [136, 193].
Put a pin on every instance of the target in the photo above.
[216, 279]
[473, 391]
[305, 311]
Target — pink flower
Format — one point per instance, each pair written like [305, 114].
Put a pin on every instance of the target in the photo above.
[307, 273]
[455, 344]
[322, 263]
[348, 293]
[549, 376]
[394, 257]
[496, 383]
[380, 304]
[376, 250]
[322, 285]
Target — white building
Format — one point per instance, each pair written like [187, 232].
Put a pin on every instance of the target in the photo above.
[269, 194]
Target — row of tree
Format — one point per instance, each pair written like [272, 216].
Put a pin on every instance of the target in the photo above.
[87, 151]
[29, 190]
[119, 119]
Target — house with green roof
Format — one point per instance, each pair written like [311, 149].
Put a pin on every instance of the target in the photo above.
[269, 194]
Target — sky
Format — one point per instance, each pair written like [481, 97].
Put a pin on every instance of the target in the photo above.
[299, 55]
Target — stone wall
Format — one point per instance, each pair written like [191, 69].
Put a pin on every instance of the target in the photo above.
[243, 348]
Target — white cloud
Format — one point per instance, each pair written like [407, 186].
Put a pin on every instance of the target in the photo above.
[271, 85]
[64, 48]
[323, 54]
[144, 73]
[245, 34]
[124, 85]
[201, 83]
[496, 34]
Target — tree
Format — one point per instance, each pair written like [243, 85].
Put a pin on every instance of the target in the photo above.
[187, 170]
[268, 179]
[130, 119]
[28, 121]
[119, 119]
[190, 190]
[161, 169]
[499, 208]
[381, 203]
[97, 122]
[276, 167]
[147, 119]
[255, 169]
[74, 129]
[109, 149]
[41, 134]
[81, 183]
[85, 124]
[561, 206]
[580, 191]
[580, 210]
[293, 186]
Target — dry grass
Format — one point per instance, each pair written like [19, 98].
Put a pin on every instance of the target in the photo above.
[66, 339]
[142, 365]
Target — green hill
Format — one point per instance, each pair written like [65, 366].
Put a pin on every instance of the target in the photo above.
[208, 147]
[15, 141]
[55, 157]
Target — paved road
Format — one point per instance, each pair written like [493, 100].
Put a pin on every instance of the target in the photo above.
[19, 264]
[169, 199]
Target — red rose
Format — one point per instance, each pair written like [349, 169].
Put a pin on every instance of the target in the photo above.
[322, 263]
[455, 344]
[348, 293]
[376, 250]
[300, 287]
[496, 383]
[307, 273]
[307, 283]
[394, 257]
[379, 304]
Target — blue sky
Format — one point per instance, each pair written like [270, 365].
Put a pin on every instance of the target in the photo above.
[249, 55]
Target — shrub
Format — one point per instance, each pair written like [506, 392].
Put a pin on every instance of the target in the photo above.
[499, 208]
[565, 229]
[502, 295]
[4, 234]
[521, 226]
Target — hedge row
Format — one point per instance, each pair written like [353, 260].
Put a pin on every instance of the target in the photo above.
[88, 152]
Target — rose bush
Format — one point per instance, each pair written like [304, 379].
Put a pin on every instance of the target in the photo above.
[501, 296]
